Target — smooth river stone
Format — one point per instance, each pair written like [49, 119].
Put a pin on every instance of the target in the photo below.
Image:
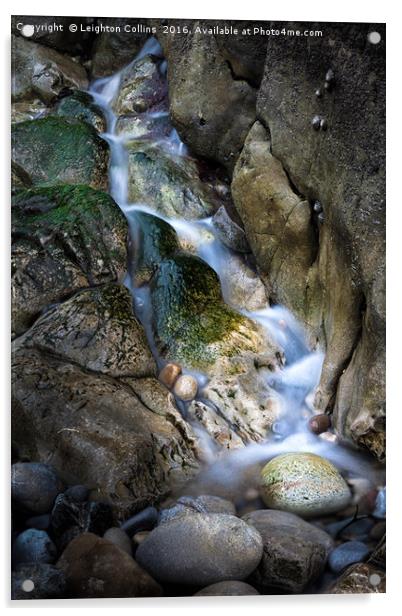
[201, 549]
[305, 484]
[227, 589]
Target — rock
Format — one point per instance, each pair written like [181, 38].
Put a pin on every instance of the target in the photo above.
[64, 238]
[186, 387]
[152, 126]
[360, 578]
[48, 582]
[227, 589]
[378, 557]
[229, 232]
[188, 505]
[153, 240]
[200, 550]
[169, 374]
[142, 87]
[81, 106]
[319, 423]
[42, 72]
[243, 289]
[377, 531]
[113, 50]
[27, 110]
[192, 324]
[40, 522]
[211, 110]
[218, 427]
[144, 520]
[79, 494]
[33, 546]
[34, 486]
[380, 510]
[244, 54]
[95, 329]
[118, 537]
[305, 484]
[295, 552]
[347, 554]
[139, 537]
[56, 150]
[92, 517]
[167, 182]
[95, 568]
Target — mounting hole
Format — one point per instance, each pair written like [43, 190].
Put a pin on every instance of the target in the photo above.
[28, 30]
[28, 585]
[374, 38]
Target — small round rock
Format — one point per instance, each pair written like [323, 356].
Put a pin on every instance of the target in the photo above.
[186, 387]
[169, 374]
[347, 554]
[305, 484]
[227, 589]
[34, 486]
[33, 546]
[118, 537]
[319, 423]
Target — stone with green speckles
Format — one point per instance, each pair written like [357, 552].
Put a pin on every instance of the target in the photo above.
[192, 323]
[64, 238]
[153, 240]
[81, 106]
[168, 183]
[54, 150]
[305, 484]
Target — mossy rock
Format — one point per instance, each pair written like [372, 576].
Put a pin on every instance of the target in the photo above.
[54, 150]
[192, 323]
[64, 238]
[169, 183]
[81, 106]
[154, 240]
[305, 484]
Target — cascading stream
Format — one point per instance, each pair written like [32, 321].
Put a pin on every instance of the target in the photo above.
[295, 383]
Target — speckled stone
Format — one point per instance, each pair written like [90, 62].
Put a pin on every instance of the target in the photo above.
[303, 483]
[186, 387]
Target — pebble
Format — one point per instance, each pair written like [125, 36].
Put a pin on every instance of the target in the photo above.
[319, 423]
[38, 581]
[330, 75]
[347, 554]
[144, 520]
[34, 486]
[118, 537]
[188, 505]
[186, 387]
[40, 522]
[305, 484]
[169, 374]
[33, 546]
[202, 549]
[227, 589]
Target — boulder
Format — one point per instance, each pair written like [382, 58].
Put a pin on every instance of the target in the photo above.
[305, 484]
[295, 552]
[41, 72]
[95, 568]
[64, 238]
[81, 106]
[201, 549]
[142, 87]
[144, 126]
[34, 486]
[27, 110]
[60, 150]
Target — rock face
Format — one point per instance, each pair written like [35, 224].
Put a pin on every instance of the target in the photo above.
[305, 484]
[41, 72]
[91, 405]
[95, 568]
[211, 111]
[60, 150]
[34, 486]
[295, 552]
[64, 238]
[201, 549]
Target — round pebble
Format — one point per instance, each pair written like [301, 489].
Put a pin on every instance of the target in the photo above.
[169, 374]
[319, 423]
[34, 486]
[347, 554]
[33, 546]
[186, 387]
[227, 589]
[118, 537]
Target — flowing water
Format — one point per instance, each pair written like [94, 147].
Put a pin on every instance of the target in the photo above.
[295, 383]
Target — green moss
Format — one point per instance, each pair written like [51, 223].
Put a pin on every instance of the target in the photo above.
[55, 150]
[154, 240]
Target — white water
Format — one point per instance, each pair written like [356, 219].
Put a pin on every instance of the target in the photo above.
[295, 383]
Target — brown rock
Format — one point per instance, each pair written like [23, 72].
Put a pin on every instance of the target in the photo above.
[359, 579]
[169, 374]
[95, 568]
[319, 423]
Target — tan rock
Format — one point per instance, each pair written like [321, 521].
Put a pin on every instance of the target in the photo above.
[169, 374]
[186, 387]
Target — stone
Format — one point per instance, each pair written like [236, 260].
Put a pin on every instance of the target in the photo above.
[118, 537]
[200, 550]
[227, 589]
[168, 183]
[33, 546]
[95, 568]
[34, 486]
[48, 582]
[319, 423]
[169, 374]
[229, 232]
[41, 72]
[188, 505]
[40, 522]
[305, 484]
[359, 579]
[64, 238]
[243, 289]
[81, 106]
[380, 510]
[144, 520]
[113, 50]
[295, 552]
[60, 150]
[94, 517]
[27, 110]
[142, 87]
[139, 537]
[145, 126]
[186, 387]
[347, 554]
[77, 493]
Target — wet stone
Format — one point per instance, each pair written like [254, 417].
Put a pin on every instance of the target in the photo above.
[33, 546]
[34, 486]
[40, 522]
[227, 589]
[188, 505]
[144, 520]
[169, 374]
[186, 387]
[95, 517]
[347, 554]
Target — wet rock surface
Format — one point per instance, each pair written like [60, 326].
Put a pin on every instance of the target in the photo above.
[347, 554]
[294, 551]
[143, 87]
[34, 486]
[201, 549]
[81, 106]
[187, 505]
[33, 546]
